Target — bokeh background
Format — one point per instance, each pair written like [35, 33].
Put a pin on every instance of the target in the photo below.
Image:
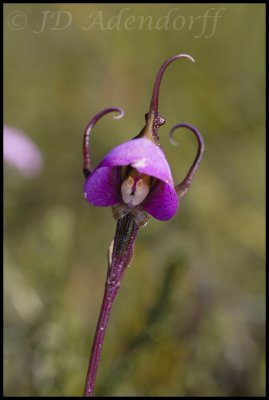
[189, 318]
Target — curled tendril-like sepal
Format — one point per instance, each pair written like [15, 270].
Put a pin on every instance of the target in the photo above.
[156, 88]
[153, 119]
[182, 187]
[87, 169]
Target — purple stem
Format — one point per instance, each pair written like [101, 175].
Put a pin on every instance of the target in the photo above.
[87, 169]
[121, 258]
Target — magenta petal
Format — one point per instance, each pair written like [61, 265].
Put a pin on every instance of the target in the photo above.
[162, 202]
[102, 187]
[143, 155]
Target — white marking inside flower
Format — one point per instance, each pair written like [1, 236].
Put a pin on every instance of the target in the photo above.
[140, 163]
[135, 188]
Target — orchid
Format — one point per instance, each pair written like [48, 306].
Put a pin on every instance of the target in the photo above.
[21, 153]
[135, 179]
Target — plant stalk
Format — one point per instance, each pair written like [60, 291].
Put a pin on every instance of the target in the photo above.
[120, 257]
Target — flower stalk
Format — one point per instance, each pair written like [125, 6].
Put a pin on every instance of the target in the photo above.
[119, 258]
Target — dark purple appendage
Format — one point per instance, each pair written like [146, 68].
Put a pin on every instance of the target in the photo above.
[156, 88]
[86, 137]
[121, 257]
[182, 187]
[153, 118]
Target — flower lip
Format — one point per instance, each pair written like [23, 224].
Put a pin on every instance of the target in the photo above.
[135, 188]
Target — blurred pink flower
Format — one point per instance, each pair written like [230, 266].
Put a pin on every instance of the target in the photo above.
[21, 153]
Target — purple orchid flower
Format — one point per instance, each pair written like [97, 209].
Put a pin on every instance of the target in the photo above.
[134, 179]
[21, 153]
[135, 176]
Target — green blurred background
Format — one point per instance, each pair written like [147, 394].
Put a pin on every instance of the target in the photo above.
[189, 318]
